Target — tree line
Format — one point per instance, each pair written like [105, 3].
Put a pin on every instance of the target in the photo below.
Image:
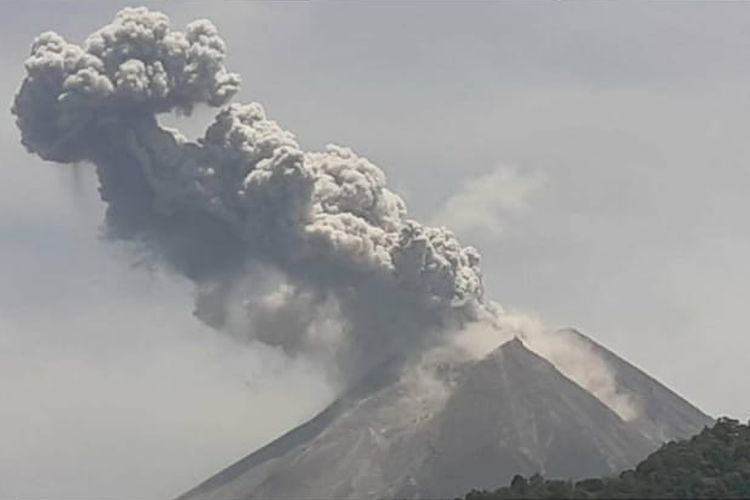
[712, 464]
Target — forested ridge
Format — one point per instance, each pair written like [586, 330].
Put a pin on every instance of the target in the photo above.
[712, 464]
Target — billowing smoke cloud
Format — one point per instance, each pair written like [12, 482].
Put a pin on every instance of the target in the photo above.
[244, 198]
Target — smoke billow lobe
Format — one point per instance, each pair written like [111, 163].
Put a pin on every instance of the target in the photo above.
[242, 197]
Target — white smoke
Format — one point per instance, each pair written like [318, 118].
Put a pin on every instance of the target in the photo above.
[482, 203]
[348, 258]
[576, 359]
[570, 354]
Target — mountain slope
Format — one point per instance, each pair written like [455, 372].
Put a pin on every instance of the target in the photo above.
[516, 412]
[662, 414]
[442, 428]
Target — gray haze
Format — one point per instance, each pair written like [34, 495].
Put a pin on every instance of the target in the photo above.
[613, 138]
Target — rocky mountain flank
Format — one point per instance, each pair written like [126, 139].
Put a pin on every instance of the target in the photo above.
[439, 429]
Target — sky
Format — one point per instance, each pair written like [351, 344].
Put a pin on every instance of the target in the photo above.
[595, 153]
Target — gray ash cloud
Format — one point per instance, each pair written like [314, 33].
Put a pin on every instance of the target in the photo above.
[340, 268]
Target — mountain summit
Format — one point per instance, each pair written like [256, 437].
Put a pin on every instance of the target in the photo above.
[442, 428]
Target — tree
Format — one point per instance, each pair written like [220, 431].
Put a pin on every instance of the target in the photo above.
[715, 463]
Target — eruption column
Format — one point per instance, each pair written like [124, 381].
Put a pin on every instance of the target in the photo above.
[243, 197]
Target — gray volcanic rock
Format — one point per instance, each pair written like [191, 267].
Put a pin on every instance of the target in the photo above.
[515, 413]
[662, 414]
[442, 428]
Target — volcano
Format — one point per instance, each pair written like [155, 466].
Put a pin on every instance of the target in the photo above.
[439, 428]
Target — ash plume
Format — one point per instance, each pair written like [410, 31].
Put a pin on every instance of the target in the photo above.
[309, 251]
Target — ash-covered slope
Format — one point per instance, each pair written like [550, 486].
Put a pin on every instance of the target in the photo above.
[441, 429]
[515, 413]
[661, 413]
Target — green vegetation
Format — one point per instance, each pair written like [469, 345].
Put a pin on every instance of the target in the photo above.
[713, 464]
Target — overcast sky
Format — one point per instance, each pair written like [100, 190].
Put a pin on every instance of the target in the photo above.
[597, 155]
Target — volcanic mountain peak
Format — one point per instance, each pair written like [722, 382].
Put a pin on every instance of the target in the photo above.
[441, 428]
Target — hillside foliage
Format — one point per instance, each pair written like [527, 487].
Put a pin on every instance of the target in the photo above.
[712, 464]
